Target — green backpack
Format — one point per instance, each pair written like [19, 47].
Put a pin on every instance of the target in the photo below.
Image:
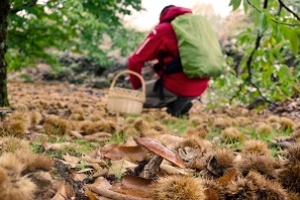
[199, 49]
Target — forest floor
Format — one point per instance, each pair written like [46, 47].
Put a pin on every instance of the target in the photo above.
[60, 142]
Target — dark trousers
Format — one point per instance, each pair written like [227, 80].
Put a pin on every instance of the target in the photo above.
[176, 105]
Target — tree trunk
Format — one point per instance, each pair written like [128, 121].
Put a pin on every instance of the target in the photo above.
[4, 11]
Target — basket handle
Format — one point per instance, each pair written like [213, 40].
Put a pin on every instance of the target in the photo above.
[129, 72]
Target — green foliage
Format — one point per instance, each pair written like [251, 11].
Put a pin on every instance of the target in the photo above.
[117, 138]
[85, 146]
[27, 78]
[126, 40]
[36, 147]
[177, 126]
[39, 28]
[268, 46]
[235, 4]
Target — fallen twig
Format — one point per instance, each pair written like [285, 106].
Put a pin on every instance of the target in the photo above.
[114, 195]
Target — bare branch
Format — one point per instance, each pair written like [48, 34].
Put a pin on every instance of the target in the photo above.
[278, 13]
[279, 9]
[250, 59]
[236, 93]
[265, 4]
[288, 9]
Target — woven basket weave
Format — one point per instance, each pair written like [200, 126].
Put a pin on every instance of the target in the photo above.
[122, 100]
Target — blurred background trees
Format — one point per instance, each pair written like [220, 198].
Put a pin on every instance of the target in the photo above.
[260, 38]
[39, 29]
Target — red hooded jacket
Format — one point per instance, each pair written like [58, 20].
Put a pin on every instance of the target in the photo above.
[161, 44]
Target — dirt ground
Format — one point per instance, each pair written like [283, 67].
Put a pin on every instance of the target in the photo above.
[88, 148]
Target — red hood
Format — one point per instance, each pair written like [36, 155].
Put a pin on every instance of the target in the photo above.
[172, 12]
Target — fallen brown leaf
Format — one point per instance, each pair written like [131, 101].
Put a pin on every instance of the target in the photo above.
[102, 187]
[97, 136]
[76, 134]
[65, 191]
[158, 148]
[79, 177]
[96, 154]
[130, 142]
[170, 141]
[134, 186]
[56, 146]
[119, 167]
[132, 153]
[90, 195]
[71, 160]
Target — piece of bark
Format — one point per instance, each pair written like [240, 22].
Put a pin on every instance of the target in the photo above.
[151, 169]
[114, 195]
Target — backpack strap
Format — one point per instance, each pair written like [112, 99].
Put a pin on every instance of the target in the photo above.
[173, 67]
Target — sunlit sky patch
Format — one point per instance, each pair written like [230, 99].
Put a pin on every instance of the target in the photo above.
[145, 20]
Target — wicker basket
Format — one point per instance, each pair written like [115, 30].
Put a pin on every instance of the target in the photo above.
[122, 100]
